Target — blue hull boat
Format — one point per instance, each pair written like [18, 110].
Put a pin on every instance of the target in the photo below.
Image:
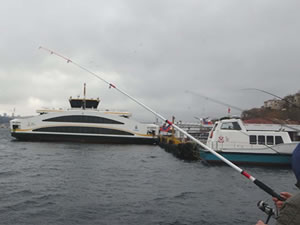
[231, 138]
[249, 158]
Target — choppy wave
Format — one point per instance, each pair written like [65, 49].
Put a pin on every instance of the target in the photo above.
[64, 183]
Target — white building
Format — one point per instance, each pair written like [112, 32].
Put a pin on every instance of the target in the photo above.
[273, 104]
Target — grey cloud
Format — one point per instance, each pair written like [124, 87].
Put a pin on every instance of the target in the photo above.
[155, 50]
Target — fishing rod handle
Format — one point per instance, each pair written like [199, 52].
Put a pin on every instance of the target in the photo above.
[267, 189]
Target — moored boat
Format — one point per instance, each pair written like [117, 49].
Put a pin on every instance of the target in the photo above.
[230, 138]
[84, 123]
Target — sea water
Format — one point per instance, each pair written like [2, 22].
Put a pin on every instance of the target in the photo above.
[75, 183]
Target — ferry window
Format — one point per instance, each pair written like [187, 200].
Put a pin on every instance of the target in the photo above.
[261, 140]
[278, 140]
[231, 126]
[84, 130]
[83, 119]
[253, 139]
[270, 140]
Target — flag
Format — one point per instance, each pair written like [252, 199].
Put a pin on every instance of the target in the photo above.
[165, 128]
[206, 121]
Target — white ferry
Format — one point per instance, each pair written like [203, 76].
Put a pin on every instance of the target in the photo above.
[230, 138]
[84, 123]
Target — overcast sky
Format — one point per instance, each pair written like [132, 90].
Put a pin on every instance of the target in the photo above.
[154, 50]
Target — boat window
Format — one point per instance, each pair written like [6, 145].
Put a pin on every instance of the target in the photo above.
[82, 119]
[236, 126]
[253, 139]
[261, 140]
[83, 130]
[270, 140]
[231, 126]
[278, 140]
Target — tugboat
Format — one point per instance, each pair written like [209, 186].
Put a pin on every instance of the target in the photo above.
[84, 123]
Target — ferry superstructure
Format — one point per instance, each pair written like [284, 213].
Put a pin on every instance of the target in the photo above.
[84, 123]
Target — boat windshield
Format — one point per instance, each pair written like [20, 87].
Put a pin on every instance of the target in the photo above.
[230, 126]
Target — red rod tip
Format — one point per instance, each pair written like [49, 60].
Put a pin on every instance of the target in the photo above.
[246, 174]
[169, 122]
[111, 85]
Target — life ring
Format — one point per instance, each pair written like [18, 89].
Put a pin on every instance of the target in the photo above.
[221, 139]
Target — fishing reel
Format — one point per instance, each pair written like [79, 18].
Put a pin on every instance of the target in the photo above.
[266, 209]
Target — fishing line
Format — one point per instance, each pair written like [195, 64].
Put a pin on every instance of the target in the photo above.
[215, 101]
[276, 96]
[257, 182]
[241, 110]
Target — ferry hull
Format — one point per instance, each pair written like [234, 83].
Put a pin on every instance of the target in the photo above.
[249, 158]
[83, 138]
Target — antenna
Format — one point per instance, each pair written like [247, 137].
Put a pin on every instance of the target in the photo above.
[84, 96]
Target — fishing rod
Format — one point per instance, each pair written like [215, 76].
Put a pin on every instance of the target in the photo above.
[283, 99]
[257, 182]
[241, 110]
[276, 96]
[215, 101]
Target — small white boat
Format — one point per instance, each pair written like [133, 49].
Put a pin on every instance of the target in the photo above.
[84, 123]
[230, 138]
